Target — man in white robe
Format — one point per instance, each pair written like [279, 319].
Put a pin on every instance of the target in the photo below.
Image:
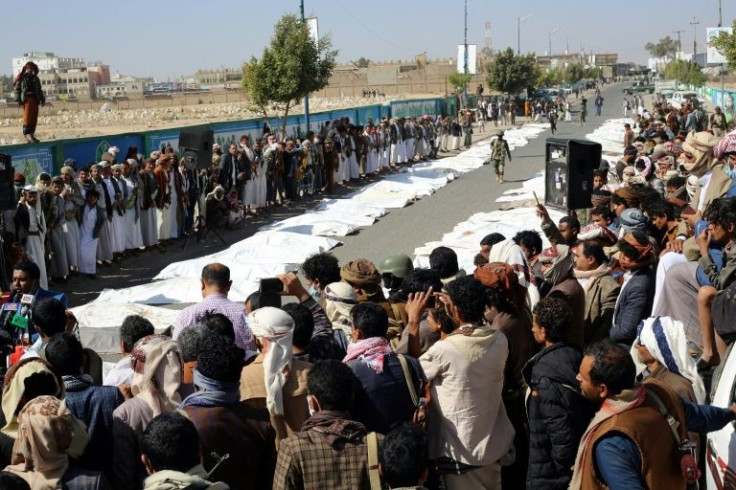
[133, 237]
[92, 219]
[30, 227]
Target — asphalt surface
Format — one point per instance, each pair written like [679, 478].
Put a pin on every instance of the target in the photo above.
[401, 231]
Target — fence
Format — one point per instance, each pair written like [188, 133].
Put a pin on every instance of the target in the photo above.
[49, 157]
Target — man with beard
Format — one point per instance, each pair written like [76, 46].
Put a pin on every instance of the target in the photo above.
[30, 228]
[634, 439]
[106, 241]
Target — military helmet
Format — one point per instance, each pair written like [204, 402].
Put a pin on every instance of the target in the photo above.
[398, 265]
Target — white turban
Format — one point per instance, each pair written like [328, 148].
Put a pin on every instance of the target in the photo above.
[665, 340]
[340, 298]
[276, 326]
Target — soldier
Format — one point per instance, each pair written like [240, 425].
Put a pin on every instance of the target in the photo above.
[499, 152]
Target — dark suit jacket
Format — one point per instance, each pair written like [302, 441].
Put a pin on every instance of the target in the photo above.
[226, 170]
[633, 306]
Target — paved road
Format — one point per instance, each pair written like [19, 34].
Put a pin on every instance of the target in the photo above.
[402, 230]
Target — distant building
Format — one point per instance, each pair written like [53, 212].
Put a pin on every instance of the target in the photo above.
[65, 77]
[122, 86]
[566, 59]
[47, 61]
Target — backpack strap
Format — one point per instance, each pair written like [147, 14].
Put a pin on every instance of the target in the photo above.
[407, 377]
[373, 474]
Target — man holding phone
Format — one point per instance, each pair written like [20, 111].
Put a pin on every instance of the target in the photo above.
[216, 284]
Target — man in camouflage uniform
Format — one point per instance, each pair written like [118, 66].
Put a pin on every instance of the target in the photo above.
[499, 152]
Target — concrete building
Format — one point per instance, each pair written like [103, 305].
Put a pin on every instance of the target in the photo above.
[65, 83]
[46, 61]
[566, 59]
[65, 78]
[122, 86]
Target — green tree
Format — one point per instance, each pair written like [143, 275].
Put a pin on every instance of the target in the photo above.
[459, 80]
[574, 73]
[292, 66]
[510, 74]
[726, 44]
[549, 78]
[687, 72]
[664, 47]
[363, 62]
[7, 83]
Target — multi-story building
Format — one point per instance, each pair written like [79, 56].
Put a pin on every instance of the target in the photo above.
[65, 77]
[47, 61]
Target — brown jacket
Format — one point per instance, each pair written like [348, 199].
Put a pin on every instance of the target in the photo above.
[660, 459]
[253, 391]
[600, 301]
[680, 385]
[572, 292]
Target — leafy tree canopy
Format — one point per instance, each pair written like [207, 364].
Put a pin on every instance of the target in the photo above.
[459, 80]
[291, 66]
[511, 74]
[687, 72]
[726, 44]
[664, 47]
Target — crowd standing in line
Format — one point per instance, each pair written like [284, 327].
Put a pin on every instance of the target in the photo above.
[584, 365]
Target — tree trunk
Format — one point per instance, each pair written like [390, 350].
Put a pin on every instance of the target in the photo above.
[286, 119]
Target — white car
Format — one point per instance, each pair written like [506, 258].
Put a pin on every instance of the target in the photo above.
[720, 456]
[678, 98]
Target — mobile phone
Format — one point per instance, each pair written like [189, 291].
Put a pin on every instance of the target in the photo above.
[272, 285]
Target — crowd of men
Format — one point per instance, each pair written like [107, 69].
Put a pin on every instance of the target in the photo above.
[583, 365]
[91, 216]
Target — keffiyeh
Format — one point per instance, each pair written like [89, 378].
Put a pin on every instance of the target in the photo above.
[665, 340]
[276, 326]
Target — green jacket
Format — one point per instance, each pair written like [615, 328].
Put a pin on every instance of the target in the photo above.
[29, 83]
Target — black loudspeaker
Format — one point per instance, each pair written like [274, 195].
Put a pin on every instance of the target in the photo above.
[569, 172]
[195, 146]
[8, 199]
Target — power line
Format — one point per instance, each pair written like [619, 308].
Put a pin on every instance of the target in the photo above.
[378, 36]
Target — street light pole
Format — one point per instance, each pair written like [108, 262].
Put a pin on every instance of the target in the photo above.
[306, 96]
[694, 23]
[465, 59]
[550, 45]
[518, 32]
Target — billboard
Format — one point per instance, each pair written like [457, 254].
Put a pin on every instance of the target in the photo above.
[313, 26]
[713, 56]
[461, 58]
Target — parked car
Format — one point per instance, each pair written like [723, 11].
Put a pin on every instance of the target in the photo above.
[638, 87]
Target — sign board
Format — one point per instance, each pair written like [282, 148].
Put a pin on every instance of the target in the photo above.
[713, 56]
[313, 26]
[472, 49]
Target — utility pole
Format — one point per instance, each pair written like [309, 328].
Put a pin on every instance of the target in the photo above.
[723, 67]
[465, 58]
[518, 32]
[679, 40]
[695, 23]
[550, 45]
[306, 96]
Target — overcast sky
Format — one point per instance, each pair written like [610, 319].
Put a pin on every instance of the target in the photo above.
[170, 38]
